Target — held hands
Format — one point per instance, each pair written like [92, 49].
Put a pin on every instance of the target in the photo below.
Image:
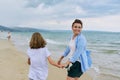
[62, 65]
[59, 64]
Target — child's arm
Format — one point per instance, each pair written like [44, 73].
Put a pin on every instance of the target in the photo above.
[53, 62]
[28, 61]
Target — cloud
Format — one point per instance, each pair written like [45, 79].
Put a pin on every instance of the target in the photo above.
[36, 3]
[85, 8]
[10, 11]
[56, 13]
[105, 23]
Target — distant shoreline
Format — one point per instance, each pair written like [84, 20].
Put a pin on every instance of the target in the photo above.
[30, 29]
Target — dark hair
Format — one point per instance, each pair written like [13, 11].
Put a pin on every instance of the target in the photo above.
[77, 21]
[37, 41]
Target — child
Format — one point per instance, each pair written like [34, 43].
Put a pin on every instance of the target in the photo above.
[38, 55]
[9, 35]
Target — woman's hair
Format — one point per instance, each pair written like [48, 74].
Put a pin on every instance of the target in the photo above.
[77, 21]
[37, 41]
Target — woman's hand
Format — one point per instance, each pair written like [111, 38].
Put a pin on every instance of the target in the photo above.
[59, 62]
[63, 65]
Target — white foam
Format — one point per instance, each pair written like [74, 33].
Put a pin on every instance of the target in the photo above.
[53, 42]
[94, 72]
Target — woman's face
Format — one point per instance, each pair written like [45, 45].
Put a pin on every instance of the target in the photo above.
[77, 27]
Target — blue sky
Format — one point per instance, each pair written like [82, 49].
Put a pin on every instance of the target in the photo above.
[101, 15]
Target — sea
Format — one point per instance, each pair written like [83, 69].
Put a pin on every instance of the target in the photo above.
[104, 47]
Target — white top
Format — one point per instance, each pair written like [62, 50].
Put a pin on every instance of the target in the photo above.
[39, 68]
[72, 47]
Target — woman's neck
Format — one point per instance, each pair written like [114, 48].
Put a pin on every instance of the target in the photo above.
[74, 36]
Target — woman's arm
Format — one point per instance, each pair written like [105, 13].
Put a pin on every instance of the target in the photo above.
[59, 61]
[66, 52]
[64, 55]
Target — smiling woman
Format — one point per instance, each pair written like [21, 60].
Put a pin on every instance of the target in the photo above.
[77, 53]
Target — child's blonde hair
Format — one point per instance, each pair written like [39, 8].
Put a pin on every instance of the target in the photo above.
[37, 41]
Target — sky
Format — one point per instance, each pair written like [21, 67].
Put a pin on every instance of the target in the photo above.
[98, 15]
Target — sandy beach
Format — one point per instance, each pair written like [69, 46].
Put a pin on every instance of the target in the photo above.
[13, 65]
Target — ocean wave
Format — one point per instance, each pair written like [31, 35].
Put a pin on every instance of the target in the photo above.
[108, 76]
[93, 72]
[109, 73]
[98, 74]
[118, 53]
[116, 42]
[54, 42]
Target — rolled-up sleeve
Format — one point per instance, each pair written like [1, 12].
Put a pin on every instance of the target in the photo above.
[66, 51]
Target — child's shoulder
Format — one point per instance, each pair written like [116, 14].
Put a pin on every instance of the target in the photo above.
[30, 49]
[44, 48]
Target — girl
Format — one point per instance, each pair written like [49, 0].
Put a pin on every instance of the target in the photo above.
[38, 55]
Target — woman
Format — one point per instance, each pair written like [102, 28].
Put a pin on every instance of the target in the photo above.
[79, 60]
